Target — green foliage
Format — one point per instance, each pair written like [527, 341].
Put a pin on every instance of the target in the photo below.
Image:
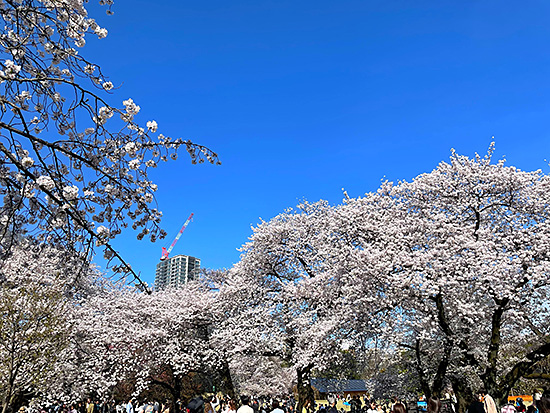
[346, 366]
[33, 333]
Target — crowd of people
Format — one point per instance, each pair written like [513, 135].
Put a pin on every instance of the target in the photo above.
[246, 404]
[483, 403]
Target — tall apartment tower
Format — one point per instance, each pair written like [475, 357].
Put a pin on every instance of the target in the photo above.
[176, 271]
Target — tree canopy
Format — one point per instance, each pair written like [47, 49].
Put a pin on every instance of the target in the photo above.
[73, 165]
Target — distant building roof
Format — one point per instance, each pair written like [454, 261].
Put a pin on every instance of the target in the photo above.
[337, 385]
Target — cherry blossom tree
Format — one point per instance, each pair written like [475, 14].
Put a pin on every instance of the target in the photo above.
[158, 339]
[262, 375]
[464, 255]
[73, 165]
[395, 379]
[287, 296]
[450, 269]
[35, 307]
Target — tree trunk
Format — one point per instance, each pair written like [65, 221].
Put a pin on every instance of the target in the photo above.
[176, 394]
[8, 396]
[462, 392]
[4, 406]
[438, 384]
[489, 377]
[306, 397]
[439, 380]
[426, 389]
[227, 381]
[173, 385]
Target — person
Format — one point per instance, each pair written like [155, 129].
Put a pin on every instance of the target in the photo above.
[454, 400]
[332, 408]
[544, 403]
[196, 405]
[129, 407]
[356, 403]
[255, 405]
[90, 406]
[231, 407]
[520, 406]
[433, 405]
[509, 407]
[275, 408]
[398, 407]
[393, 402]
[489, 404]
[245, 405]
[477, 405]
[537, 395]
[372, 408]
[210, 406]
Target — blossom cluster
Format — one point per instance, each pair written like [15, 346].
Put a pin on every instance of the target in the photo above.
[442, 264]
[96, 171]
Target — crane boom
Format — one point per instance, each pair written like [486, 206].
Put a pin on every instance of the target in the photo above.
[166, 252]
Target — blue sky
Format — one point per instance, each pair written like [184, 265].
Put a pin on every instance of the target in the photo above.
[303, 98]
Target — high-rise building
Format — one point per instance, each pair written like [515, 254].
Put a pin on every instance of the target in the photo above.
[176, 271]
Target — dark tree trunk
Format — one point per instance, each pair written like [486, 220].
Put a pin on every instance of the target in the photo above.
[227, 381]
[306, 398]
[172, 384]
[462, 392]
[435, 389]
[424, 385]
[489, 376]
[441, 375]
[176, 394]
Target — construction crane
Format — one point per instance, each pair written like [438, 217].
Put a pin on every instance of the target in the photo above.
[166, 252]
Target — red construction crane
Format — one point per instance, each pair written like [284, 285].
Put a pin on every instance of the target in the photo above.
[166, 252]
